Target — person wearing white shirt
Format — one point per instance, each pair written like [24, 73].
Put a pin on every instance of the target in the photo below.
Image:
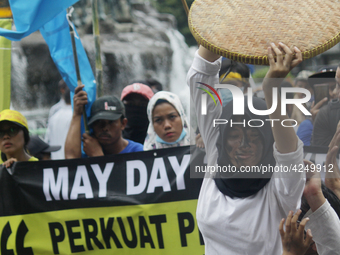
[59, 123]
[239, 214]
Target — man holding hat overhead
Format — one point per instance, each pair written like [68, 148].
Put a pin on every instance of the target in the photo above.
[327, 119]
[107, 121]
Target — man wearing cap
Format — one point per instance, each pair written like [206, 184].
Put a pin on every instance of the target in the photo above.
[136, 98]
[107, 121]
[327, 118]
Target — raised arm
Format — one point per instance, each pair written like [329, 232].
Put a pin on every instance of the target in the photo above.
[332, 178]
[207, 54]
[204, 71]
[285, 137]
[73, 139]
[313, 192]
[324, 221]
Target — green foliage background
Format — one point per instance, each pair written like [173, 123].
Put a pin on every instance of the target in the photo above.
[175, 7]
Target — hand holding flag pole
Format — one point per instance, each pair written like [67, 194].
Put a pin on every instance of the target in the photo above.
[72, 33]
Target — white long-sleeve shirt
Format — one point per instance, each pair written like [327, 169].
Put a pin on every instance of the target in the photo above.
[240, 225]
[325, 226]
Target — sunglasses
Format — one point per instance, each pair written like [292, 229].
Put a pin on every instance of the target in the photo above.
[12, 131]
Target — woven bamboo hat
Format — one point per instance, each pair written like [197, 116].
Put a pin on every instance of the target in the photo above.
[242, 30]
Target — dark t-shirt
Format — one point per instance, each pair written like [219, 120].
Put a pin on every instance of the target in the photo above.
[325, 123]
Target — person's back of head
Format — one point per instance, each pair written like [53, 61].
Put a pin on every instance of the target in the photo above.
[155, 85]
[233, 73]
[67, 96]
[65, 91]
[232, 68]
[39, 149]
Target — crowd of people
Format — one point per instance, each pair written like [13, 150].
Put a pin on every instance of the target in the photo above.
[237, 213]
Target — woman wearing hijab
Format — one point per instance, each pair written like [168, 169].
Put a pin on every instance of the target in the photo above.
[168, 125]
[237, 212]
[14, 137]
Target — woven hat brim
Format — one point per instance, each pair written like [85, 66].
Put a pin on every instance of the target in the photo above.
[242, 30]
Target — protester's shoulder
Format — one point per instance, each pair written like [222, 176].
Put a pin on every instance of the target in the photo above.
[305, 125]
[132, 147]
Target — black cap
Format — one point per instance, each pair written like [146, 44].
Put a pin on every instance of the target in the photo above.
[36, 145]
[324, 75]
[106, 108]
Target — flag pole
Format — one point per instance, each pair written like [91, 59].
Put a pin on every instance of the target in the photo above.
[75, 56]
[96, 35]
[186, 9]
[185, 6]
[5, 56]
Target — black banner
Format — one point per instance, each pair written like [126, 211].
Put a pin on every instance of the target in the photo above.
[128, 179]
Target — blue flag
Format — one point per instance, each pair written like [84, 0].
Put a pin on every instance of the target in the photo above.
[30, 15]
[57, 36]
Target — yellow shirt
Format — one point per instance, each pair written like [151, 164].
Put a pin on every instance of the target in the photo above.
[33, 159]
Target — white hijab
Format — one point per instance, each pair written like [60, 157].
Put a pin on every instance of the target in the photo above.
[150, 142]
